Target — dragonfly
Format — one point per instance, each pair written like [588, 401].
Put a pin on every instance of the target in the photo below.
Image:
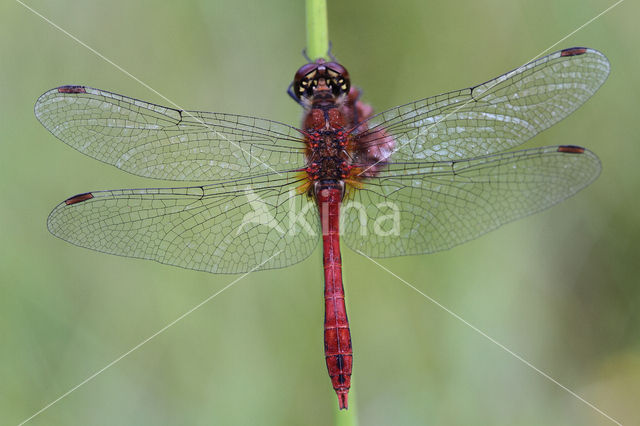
[414, 179]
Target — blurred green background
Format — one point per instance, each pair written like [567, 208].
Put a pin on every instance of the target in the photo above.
[560, 288]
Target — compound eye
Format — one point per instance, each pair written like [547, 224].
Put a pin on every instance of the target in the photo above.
[339, 85]
[302, 87]
[303, 80]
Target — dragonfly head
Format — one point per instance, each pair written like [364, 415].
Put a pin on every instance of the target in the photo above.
[321, 79]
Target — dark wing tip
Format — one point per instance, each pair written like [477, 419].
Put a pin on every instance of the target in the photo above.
[78, 198]
[571, 149]
[573, 51]
[43, 99]
[72, 89]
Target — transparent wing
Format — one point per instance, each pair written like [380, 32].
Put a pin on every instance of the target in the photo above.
[227, 227]
[165, 143]
[491, 117]
[423, 207]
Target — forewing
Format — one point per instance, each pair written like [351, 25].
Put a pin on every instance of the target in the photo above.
[424, 207]
[494, 116]
[228, 227]
[165, 143]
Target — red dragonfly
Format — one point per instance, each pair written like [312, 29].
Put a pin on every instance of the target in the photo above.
[414, 179]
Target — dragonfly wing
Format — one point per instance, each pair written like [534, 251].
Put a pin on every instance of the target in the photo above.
[165, 143]
[227, 227]
[494, 116]
[424, 207]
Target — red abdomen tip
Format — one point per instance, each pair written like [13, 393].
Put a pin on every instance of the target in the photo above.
[343, 396]
[571, 149]
[573, 51]
[71, 89]
[78, 198]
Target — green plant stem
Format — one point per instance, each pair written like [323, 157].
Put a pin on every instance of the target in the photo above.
[317, 29]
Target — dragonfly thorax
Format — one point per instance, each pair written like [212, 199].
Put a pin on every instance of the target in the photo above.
[327, 156]
[329, 145]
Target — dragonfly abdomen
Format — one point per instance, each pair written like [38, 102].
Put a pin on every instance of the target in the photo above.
[337, 337]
